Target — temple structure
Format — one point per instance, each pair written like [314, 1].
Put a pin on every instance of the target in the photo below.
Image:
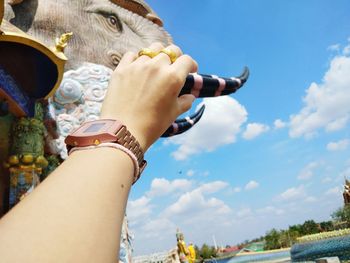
[30, 71]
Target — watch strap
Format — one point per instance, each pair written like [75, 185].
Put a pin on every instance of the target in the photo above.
[126, 139]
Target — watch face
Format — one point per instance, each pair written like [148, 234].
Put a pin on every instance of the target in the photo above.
[94, 132]
[95, 127]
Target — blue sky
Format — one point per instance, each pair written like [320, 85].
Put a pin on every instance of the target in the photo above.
[271, 155]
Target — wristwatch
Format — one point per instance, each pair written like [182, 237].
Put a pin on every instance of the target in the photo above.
[94, 133]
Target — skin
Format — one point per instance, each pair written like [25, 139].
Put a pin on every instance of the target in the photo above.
[103, 31]
[76, 214]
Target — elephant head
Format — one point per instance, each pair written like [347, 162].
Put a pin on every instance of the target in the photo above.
[103, 29]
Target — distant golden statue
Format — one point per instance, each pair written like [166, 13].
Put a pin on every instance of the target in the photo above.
[181, 248]
[192, 253]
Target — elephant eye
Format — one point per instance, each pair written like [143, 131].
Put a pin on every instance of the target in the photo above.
[109, 18]
[114, 22]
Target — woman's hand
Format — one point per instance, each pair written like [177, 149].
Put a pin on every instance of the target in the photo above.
[143, 93]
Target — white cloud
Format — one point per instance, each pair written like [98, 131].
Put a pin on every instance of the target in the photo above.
[251, 185]
[346, 50]
[268, 210]
[244, 212]
[338, 146]
[161, 186]
[253, 130]
[293, 193]
[190, 173]
[308, 171]
[213, 187]
[279, 124]
[158, 228]
[335, 47]
[334, 191]
[201, 208]
[326, 105]
[237, 189]
[310, 199]
[151, 217]
[220, 124]
[139, 209]
[195, 203]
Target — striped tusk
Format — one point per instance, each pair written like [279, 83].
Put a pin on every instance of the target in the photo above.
[201, 85]
[182, 125]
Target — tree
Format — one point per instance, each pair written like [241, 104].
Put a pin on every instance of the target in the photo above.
[327, 226]
[342, 215]
[293, 234]
[207, 251]
[284, 238]
[272, 240]
[196, 248]
[310, 227]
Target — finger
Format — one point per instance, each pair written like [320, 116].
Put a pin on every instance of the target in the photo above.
[127, 59]
[155, 47]
[165, 54]
[185, 65]
[185, 103]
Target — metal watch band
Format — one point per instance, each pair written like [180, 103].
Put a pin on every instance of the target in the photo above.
[125, 138]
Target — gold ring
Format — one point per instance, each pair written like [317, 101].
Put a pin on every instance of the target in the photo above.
[171, 54]
[147, 52]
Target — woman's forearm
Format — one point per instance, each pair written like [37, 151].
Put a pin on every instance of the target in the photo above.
[81, 206]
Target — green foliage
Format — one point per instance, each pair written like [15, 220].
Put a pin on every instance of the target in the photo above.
[327, 226]
[196, 248]
[275, 239]
[206, 251]
[310, 227]
[272, 239]
[342, 215]
[293, 234]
